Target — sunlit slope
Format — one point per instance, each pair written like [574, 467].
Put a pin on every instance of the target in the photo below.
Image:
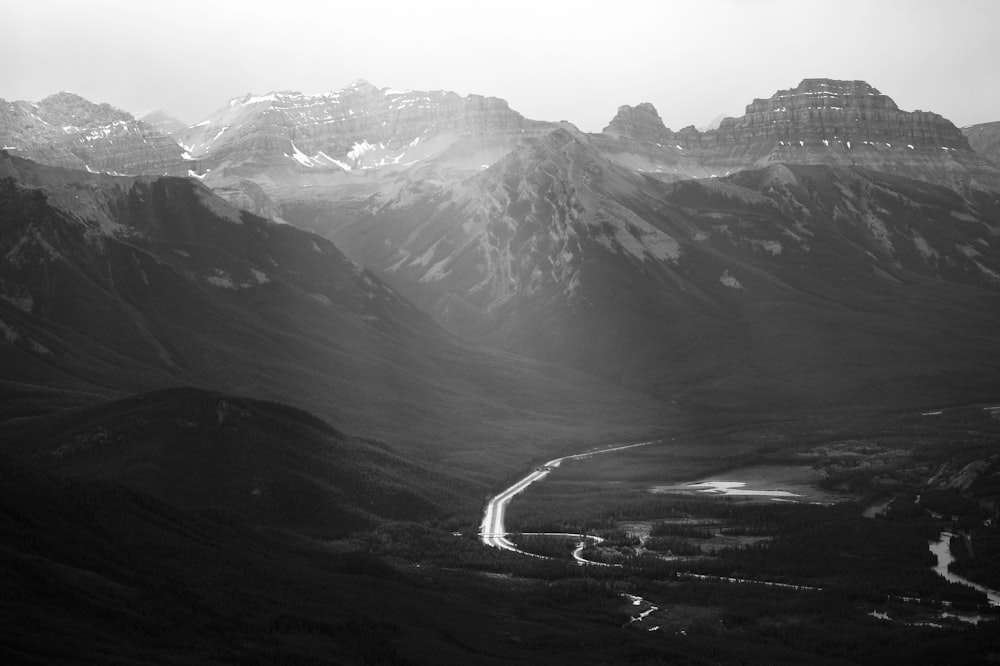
[115, 285]
[783, 288]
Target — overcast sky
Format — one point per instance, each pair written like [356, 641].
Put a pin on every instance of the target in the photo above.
[551, 60]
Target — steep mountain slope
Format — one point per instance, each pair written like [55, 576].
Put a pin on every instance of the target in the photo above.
[114, 285]
[985, 140]
[782, 288]
[820, 121]
[260, 151]
[69, 131]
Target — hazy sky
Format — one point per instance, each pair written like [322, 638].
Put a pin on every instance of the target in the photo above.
[551, 60]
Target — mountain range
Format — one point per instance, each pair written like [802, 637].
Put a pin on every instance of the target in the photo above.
[800, 248]
[286, 141]
[791, 276]
[114, 285]
[313, 326]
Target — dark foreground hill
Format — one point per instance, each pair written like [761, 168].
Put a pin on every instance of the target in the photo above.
[271, 464]
[94, 573]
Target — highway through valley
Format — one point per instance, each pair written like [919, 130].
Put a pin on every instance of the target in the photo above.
[493, 532]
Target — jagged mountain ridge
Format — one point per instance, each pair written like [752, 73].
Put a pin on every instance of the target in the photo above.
[820, 121]
[737, 289]
[158, 282]
[363, 129]
[260, 151]
[282, 148]
[358, 128]
[69, 131]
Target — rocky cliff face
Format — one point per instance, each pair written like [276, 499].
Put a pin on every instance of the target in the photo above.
[69, 131]
[820, 121]
[342, 146]
[641, 123]
[353, 130]
[842, 111]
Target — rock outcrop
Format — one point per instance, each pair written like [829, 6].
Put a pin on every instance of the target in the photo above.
[820, 121]
[842, 111]
[69, 131]
[640, 122]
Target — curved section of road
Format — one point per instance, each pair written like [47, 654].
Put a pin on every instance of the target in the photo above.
[492, 531]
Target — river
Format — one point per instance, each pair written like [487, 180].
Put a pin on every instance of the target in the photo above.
[942, 551]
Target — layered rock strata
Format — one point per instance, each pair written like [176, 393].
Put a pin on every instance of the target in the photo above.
[359, 128]
[69, 131]
[820, 121]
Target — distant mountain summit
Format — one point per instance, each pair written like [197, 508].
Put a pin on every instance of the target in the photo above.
[844, 111]
[359, 128]
[640, 122]
[286, 155]
[69, 131]
[164, 122]
[820, 121]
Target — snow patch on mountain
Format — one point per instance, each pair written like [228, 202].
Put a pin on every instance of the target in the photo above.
[361, 148]
[335, 162]
[300, 157]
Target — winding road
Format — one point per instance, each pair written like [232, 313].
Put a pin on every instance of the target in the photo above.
[492, 531]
